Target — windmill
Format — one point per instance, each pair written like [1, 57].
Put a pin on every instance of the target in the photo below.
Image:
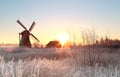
[24, 40]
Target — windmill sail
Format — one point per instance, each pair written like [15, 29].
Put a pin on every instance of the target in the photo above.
[34, 37]
[18, 21]
[33, 24]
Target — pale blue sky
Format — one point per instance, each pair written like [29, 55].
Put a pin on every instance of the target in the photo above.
[58, 16]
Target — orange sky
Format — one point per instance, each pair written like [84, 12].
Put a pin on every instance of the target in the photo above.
[54, 17]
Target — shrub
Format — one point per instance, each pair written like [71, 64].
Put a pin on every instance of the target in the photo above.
[54, 44]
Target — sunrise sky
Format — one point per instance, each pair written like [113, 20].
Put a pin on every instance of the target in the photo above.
[57, 17]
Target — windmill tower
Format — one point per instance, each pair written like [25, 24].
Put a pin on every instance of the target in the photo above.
[24, 40]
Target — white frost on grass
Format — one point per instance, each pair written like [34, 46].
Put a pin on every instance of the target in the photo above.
[54, 68]
[70, 63]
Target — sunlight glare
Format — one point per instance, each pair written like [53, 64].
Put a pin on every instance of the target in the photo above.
[62, 38]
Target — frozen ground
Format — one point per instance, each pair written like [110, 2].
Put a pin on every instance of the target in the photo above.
[64, 62]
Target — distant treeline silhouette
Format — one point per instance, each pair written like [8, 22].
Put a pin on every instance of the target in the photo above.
[107, 42]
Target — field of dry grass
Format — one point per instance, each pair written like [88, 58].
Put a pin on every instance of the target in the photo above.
[62, 62]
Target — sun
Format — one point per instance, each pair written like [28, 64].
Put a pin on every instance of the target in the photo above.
[62, 38]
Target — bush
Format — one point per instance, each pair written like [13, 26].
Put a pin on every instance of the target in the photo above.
[54, 44]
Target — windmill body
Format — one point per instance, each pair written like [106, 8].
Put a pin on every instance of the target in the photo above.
[25, 40]
[25, 35]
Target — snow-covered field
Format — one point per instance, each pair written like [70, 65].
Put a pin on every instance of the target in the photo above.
[63, 62]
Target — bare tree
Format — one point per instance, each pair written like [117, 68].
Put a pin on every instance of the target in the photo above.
[89, 37]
